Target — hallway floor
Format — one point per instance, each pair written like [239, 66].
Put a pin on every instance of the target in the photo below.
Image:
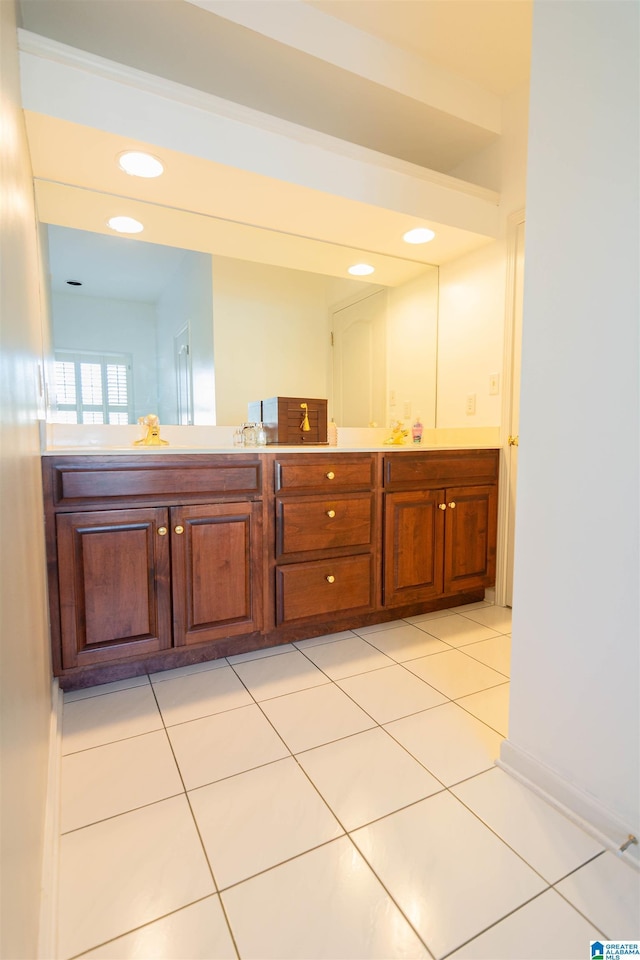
[334, 798]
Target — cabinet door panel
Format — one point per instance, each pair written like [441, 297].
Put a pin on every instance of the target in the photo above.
[113, 577]
[414, 531]
[216, 563]
[470, 551]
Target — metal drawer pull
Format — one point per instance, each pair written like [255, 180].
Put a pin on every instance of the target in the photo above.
[331, 513]
[330, 475]
[452, 504]
[330, 579]
[442, 506]
[179, 529]
[162, 531]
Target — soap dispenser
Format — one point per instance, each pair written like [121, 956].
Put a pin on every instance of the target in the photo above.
[416, 430]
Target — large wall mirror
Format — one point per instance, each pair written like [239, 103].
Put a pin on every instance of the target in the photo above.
[194, 336]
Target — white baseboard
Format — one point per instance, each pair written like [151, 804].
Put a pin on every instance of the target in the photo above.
[47, 937]
[579, 806]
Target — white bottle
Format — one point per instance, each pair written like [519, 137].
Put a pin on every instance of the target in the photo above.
[332, 434]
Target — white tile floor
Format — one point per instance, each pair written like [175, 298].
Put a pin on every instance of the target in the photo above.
[333, 798]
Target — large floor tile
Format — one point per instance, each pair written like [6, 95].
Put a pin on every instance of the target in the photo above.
[108, 780]
[495, 653]
[456, 630]
[547, 840]
[607, 891]
[391, 693]
[269, 815]
[497, 618]
[271, 677]
[197, 932]
[546, 928]
[127, 871]
[98, 691]
[454, 674]
[224, 744]
[324, 905]
[491, 706]
[366, 776]
[449, 742]
[199, 695]
[449, 874]
[405, 642]
[347, 657]
[104, 719]
[316, 716]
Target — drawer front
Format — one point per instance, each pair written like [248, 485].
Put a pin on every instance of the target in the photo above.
[323, 523]
[133, 479]
[413, 470]
[324, 588]
[318, 472]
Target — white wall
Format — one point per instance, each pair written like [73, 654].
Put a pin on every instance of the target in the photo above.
[473, 288]
[25, 680]
[575, 669]
[99, 325]
[271, 335]
[187, 298]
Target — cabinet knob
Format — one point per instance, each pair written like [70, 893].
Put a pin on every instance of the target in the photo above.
[452, 504]
[330, 579]
[331, 513]
[162, 531]
[442, 506]
[330, 475]
[180, 529]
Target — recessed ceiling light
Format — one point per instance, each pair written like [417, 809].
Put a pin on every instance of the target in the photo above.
[139, 164]
[361, 269]
[419, 235]
[125, 225]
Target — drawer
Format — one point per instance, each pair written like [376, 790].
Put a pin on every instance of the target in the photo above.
[324, 588]
[323, 523]
[317, 472]
[435, 468]
[91, 479]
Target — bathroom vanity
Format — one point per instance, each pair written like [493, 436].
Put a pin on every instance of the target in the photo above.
[158, 560]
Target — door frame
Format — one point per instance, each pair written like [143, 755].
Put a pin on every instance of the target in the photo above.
[512, 343]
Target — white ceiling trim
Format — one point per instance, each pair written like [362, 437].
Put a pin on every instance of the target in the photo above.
[52, 50]
[311, 31]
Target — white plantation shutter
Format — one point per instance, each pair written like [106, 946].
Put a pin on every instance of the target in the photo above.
[93, 388]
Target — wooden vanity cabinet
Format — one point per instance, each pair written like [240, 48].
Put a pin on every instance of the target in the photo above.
[134, 580]
[158, 561]
[440, 524]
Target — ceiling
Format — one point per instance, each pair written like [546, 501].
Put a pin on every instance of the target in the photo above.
[264, 55]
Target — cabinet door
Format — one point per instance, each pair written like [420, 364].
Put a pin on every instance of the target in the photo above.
[115, 598]
[470, 539]
[216, 552]
[413, 546]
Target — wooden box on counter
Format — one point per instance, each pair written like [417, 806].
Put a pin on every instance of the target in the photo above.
[283, 418]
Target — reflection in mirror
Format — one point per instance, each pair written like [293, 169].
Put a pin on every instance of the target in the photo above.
[195, 337]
